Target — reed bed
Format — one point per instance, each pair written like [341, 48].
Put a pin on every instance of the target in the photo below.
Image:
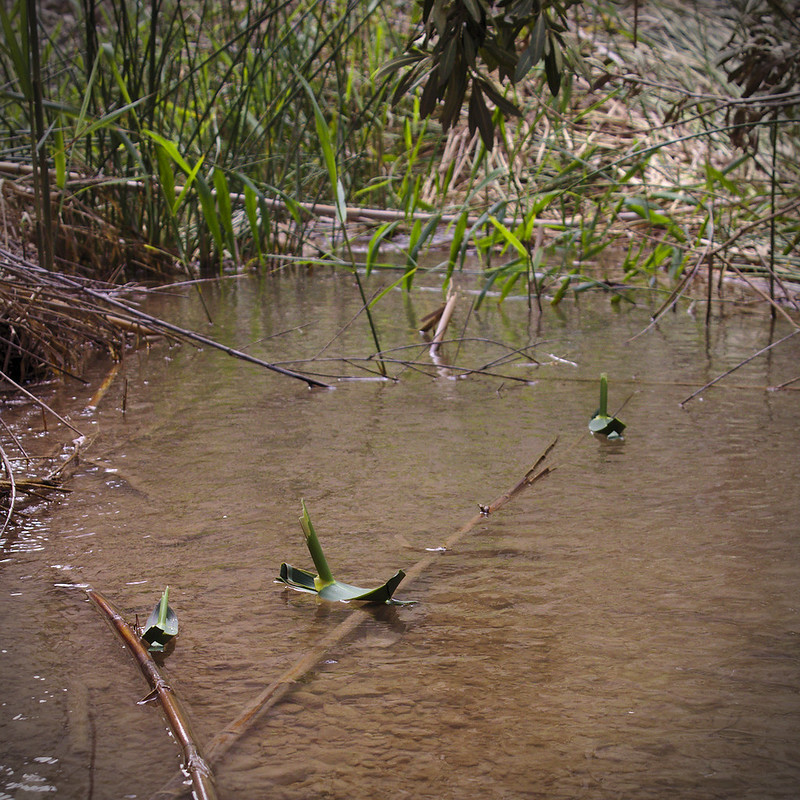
[185, 138]
[48, 327]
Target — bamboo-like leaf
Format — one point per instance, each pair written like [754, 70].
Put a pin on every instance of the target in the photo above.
[645, 210]
[424, 234]
[503, 103]
[161, 626]
[552, 69]
[509, 237]
[108, 52]
[209, 209]
[447, 61]
[324, 136]
[375, 242]
[171, 149]
[430, 94]
[224, 205]
[187, 185]
[166, 177]
[480, 117]
[396, 64]
[533, 52]
[251, 209]
[392, 286]
[509, 284]
[107, 119]
[17, 49]
[562, 289]
[455, 245]
[474, 9]
[60, 157]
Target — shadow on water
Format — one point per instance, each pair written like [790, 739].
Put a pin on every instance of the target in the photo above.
[628, 627]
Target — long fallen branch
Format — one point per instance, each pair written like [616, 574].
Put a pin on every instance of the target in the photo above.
[155, 322]
[197, 767]
[273, 693]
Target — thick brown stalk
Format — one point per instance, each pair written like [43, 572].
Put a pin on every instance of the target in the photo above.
[202, 778]
[444, 321]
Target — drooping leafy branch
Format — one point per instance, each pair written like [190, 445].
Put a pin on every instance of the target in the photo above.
[761, 57]
[460, 44]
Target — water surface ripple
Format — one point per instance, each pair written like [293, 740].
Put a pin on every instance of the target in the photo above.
[629, 627]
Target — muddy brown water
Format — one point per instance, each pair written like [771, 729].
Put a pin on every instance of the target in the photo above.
[629, 627]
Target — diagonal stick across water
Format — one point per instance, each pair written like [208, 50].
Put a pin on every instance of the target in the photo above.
[273, 693]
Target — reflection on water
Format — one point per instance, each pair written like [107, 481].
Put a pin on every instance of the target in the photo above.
[629, 627]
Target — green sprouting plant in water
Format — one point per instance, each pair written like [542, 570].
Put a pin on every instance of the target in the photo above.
[601, 422]
[323, 583]
[161, 626]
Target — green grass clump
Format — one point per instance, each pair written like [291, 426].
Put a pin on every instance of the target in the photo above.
[192, 134]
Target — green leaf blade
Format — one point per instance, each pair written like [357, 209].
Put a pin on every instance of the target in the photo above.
[325, 576]
[345, 592]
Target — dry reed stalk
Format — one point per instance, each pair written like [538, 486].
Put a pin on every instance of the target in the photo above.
[444, 321]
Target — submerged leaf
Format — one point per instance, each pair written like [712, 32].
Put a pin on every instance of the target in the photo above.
[304, 581]
[161, 625]
[324, 584]
[300, 579]
[607, 426]
[601, 422]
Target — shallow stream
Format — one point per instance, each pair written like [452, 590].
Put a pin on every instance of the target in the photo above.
[627, 627]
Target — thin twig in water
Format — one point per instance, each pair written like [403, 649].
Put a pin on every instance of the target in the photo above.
[783, 385]
[776, 308]
[15, 439]
[741, 364]
[39, 402]
[345, 327]
[13, 498]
